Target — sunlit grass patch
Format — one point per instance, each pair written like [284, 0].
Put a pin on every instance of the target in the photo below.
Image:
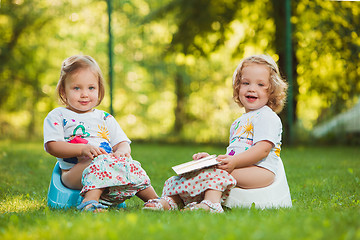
[20, 203]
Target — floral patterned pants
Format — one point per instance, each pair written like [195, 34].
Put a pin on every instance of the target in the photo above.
[191, 186]
[121, 178]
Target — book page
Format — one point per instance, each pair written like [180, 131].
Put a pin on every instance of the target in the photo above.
[196, 164]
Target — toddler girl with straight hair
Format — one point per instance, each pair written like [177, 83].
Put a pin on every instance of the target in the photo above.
[252, 156]
[92, 150]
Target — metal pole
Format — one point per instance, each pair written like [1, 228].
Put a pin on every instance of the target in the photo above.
[110, 46]
[289, 69]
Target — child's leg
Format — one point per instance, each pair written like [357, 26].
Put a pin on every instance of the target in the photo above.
[92, 195]
[213, 196]
[147, 194]
[253, 177]
[72, 178]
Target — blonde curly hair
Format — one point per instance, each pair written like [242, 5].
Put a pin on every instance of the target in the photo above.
[70, 66]
[278, 86]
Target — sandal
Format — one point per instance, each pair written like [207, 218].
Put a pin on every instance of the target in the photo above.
[213, 207]
[94, 206]
[158, 205]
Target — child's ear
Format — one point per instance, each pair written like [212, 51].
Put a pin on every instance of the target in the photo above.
[63, 95]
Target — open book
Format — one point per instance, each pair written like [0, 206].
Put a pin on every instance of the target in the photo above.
[196, 164]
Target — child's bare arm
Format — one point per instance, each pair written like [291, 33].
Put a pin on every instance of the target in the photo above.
[67, 150]
[247, 158]
[122, 149]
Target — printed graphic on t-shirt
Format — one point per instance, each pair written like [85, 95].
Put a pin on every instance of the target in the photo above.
[244, 133]
[103, 132]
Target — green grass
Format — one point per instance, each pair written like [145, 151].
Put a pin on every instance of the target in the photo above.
[324, 184]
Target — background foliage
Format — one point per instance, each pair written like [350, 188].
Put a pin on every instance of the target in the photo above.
[174, 60]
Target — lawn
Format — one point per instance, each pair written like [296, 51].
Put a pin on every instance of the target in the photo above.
[324, 184]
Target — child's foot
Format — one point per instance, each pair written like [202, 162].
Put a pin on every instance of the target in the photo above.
[164, 203]
[91, 206]
[206, 205]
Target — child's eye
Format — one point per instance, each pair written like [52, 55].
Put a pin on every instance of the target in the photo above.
[244, 83]
[91, 88]
[76, 88]
[261, 85]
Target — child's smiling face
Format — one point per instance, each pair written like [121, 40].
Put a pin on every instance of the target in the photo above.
[254, 86]
[82, 91]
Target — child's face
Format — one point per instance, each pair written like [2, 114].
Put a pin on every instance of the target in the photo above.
[82, 91]
[254, 85]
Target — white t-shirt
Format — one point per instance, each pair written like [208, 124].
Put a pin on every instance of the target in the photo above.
[255, 126]
[97, 128]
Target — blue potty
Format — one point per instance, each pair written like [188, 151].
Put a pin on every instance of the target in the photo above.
[61, 197]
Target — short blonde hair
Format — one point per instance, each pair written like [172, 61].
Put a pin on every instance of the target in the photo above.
[73, 64]
[278, 87]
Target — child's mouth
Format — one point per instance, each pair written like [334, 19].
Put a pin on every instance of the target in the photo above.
[251, 98]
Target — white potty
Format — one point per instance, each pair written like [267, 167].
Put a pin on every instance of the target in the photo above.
[276, 195]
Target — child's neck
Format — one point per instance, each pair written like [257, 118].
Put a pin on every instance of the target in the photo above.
[253, 110]
[79, 112]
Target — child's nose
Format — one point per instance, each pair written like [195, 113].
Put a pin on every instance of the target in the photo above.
[84, 93]
[251, 87]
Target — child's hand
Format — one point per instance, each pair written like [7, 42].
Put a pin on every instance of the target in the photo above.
[119, 154]
[200, 155]
[91, 152]
[227, 163]
[121, 149]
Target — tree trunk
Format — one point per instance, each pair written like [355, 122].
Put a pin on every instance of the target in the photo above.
[180, 103]
[279, 16]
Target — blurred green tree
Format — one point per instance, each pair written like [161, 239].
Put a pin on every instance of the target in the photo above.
[328, 53]
[319, 36]
[31, 47]
[22, 55]
[202, 27]
[174, 60]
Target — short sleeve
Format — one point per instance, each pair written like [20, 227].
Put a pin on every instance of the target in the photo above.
[117, 135]
[53, 127]
[267, 127]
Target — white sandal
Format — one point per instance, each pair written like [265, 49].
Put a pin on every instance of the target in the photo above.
[213, 207]
[158, 205]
